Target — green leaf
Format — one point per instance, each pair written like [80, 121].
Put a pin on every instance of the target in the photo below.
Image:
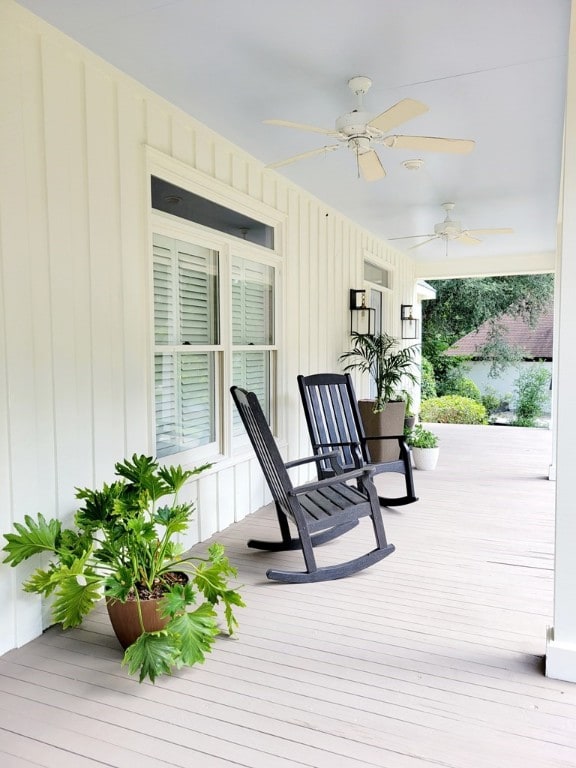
[176, 518]
[142, 474]
[176, 477]
[229, 598]
[152, 654]
[177, 599]
[31, 538]
[41, 582]
[195, 633]
[99, 506]
[119, 584]
[76, 596]
[211, 577]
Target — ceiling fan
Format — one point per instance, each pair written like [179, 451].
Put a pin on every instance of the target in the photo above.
[452, 230]
[359, 131]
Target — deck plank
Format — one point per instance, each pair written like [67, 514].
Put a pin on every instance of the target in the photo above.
[434, 657]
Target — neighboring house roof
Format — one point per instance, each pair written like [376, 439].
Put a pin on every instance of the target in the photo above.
[536, 342]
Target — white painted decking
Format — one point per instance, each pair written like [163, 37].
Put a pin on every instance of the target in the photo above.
[433, 657]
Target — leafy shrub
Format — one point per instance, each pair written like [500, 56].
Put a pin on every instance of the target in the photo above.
[495, 403]
[530, 395]
[448, 376]
[453, 409]
[428, 383]
[466, 388]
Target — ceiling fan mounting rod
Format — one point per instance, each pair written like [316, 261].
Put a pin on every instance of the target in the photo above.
[359, 85]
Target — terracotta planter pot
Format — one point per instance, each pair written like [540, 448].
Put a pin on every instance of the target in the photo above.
[126, 622]
[125, 619]
[389, 422]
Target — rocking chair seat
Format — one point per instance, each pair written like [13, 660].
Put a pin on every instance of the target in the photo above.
[320, 510]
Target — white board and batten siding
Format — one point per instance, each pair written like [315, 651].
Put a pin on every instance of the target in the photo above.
[79, 140]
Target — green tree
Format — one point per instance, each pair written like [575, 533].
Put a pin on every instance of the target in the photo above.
[463, 305]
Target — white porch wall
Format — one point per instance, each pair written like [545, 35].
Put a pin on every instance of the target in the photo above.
[76, 351]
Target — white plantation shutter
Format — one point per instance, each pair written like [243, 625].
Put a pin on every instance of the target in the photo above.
[252, 305]
[252, 325]
[197, 297]
[185, 317]
[163, 295]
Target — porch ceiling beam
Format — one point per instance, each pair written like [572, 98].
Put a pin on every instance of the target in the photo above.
[487, 266]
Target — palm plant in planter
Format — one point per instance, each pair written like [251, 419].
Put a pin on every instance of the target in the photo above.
[390, 368]
[124, 547]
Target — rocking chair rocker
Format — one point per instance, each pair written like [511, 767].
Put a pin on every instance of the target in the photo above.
[320, 510]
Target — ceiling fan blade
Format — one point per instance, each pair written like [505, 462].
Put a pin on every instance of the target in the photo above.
[465, 237]
[411, 237]
[497, 231]
[302, 155]
[370, 166]
[430, 144]
[435, 237]
[302, 127]
[400, 113]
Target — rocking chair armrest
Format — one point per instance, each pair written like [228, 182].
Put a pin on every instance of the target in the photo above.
[308, 459]
[340, 443]
[402, 438]
[367, 471]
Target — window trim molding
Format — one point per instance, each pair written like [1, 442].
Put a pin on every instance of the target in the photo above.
[181, 174]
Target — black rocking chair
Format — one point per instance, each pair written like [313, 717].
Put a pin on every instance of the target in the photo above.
[334, 423]
[320, 510]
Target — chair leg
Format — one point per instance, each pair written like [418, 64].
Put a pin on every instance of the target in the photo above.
[406, 470]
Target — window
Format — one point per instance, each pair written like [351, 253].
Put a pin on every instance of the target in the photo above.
[252, 331]
[186, 334]
[378, 275]
[214, 325]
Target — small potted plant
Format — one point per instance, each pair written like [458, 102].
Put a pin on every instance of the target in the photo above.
[124, 547]
[424, 445]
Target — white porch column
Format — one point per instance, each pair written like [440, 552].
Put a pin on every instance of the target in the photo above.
[561, 646]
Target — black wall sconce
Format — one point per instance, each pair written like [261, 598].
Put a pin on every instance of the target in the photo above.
[409, 323]
[361, 316]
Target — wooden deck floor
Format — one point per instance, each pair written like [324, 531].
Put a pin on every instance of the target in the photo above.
[431, 658]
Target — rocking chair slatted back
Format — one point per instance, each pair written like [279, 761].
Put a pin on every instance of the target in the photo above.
[332, 419]
[334, 423]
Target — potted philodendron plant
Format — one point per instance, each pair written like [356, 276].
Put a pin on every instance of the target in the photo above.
[162, 602]
[424, 446]
[390, 367]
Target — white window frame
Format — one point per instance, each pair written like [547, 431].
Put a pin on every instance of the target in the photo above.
[227, 246]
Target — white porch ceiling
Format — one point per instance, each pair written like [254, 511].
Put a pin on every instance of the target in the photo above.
[493, 71]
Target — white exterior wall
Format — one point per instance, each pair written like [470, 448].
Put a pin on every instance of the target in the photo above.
[478, 371]
[75, 302]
